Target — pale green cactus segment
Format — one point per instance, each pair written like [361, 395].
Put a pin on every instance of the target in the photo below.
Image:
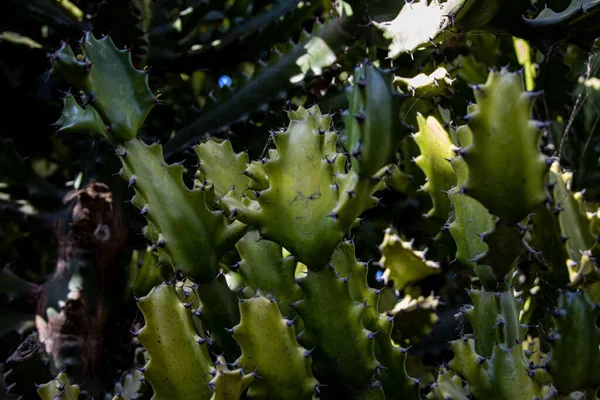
[228, 384]
[174, 347]
[495, 319]
[118, 92]
[404, 265]
[504, 134]
[436, 152]
[75, 119]
[470, 218]
[328, 309]
[487, 377]
[372, 121]
[448, 385]
[308, 189]
[574, 359]
[172, 208]
[264, 268]
[437, 83]
[220, 165]
[59, 389]
[575, 222]
[217, 306]
[271, 351]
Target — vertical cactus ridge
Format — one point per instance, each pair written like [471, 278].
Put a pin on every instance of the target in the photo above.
[174, 347]
[574, 356]
[372, 121]
[264, 268]
[402, 264]
[470, 219]
[504, 134]
[271, 351]
[172, 208]
[59, 389]
[308, 189]
[495, 319]
[229, 384]
[222, 167]
[487, 376]
[436, 151]
[113, 88]
[327, 309]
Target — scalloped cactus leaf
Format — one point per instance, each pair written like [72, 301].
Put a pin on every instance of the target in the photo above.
[171, 208]
[270, 349]
[263, 267]
[328, 309]
[115, 89]
[487, 376]
[403, 265]
[144, 272]
[436, 151]
[59, 389]
[574, 356]
[229, 384]
[179, 366]
[504, 134]
[220, 165]
[75, 119]
[308, 189]
[372, 121]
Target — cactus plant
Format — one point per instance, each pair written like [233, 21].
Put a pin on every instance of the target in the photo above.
[378, 208]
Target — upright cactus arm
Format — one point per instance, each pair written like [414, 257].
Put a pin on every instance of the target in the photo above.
[504, 134]
[308, 189]
[271, 351]
[118, 101]
[180, 366]
[229, 384]
[373, 129]
[436, 149]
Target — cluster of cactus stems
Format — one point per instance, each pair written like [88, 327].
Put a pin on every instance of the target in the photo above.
[295, 317]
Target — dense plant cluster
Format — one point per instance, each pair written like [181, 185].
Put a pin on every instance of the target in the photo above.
[294, 199]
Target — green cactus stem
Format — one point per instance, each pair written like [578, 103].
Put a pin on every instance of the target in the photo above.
[179, 366]
[171, 208]
[264, 267]
[448, 385]
[404, 265]
[574, 356]
[309, 189]
[328, 309]
[372, 121]
[436, 149]
[115, 92]
[229, 384]
[437, 83]
[270, 349]
[504, 134]
[414, 318]
[59, 389]
[487, 377]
